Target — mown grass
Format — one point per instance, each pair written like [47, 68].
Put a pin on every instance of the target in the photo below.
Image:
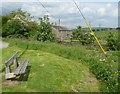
[104, 67]
[49, 72]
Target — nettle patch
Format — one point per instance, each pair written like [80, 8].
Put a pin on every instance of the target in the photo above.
[112, 42]
[105, 72]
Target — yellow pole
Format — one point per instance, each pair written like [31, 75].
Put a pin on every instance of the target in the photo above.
[95, 37]
[90, 28]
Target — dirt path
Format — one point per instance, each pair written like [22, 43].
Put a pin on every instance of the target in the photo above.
[3, 44]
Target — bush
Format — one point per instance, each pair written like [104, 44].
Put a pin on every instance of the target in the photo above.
[14, 27]
[84, 37]
[18, 23]
[45, 30]
[112, 43]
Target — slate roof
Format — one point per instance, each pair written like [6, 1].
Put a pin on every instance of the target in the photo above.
[62, 28]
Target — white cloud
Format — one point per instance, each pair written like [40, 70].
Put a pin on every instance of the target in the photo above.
[102, 11]
[109, 5]
[88, 10]
[32, 0]
[69, 14]
[17, 0]
[65, 8]
[103, 20]
[115, 12]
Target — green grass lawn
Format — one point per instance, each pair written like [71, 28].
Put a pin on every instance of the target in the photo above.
[50, 73]
[56, 67]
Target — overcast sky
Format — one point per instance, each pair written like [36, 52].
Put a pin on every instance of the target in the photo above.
[97, 12]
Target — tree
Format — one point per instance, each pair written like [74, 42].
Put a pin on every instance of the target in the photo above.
[112, 43]
[83, 37]
[18, 23]
[77, 33]
[45, 30]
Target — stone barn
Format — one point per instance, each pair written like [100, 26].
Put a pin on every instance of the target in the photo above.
[62, 32]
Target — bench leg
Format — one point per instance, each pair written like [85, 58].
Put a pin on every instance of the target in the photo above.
[7, 70]
[15, 64]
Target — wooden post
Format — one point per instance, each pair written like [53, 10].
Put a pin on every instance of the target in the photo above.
[7, 70]
[9, 74]
[15, 64]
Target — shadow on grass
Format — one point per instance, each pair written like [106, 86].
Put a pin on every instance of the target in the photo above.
[23, 77]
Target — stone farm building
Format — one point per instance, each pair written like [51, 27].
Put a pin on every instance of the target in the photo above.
[62, 32]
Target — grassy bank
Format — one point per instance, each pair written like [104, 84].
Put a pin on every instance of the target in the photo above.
[48, 72]
[105, 68]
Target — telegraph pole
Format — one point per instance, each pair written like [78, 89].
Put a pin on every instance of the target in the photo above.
[59, 25]
[59, 30]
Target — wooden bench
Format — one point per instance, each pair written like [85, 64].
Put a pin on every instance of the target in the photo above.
[19, 68]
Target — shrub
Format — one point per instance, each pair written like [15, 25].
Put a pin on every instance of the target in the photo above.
[84, 37]
[112, 43]
[14, 27]
[45, 30]
[18, 23]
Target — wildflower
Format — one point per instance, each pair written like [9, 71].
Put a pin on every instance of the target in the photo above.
[91, 33]
[100, 59]
[103, 59]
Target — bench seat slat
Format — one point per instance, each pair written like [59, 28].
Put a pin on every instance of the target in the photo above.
[22, 71]
[19, 68]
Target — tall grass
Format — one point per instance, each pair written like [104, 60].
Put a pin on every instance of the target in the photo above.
[104, 68]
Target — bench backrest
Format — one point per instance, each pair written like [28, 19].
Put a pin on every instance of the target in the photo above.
[10, 61]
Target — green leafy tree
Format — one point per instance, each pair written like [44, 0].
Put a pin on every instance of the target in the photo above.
[33, 29]
[11, 15]
[18, 24]
[45, 30]
[83, 37]
[15, 27]
[77, 34]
